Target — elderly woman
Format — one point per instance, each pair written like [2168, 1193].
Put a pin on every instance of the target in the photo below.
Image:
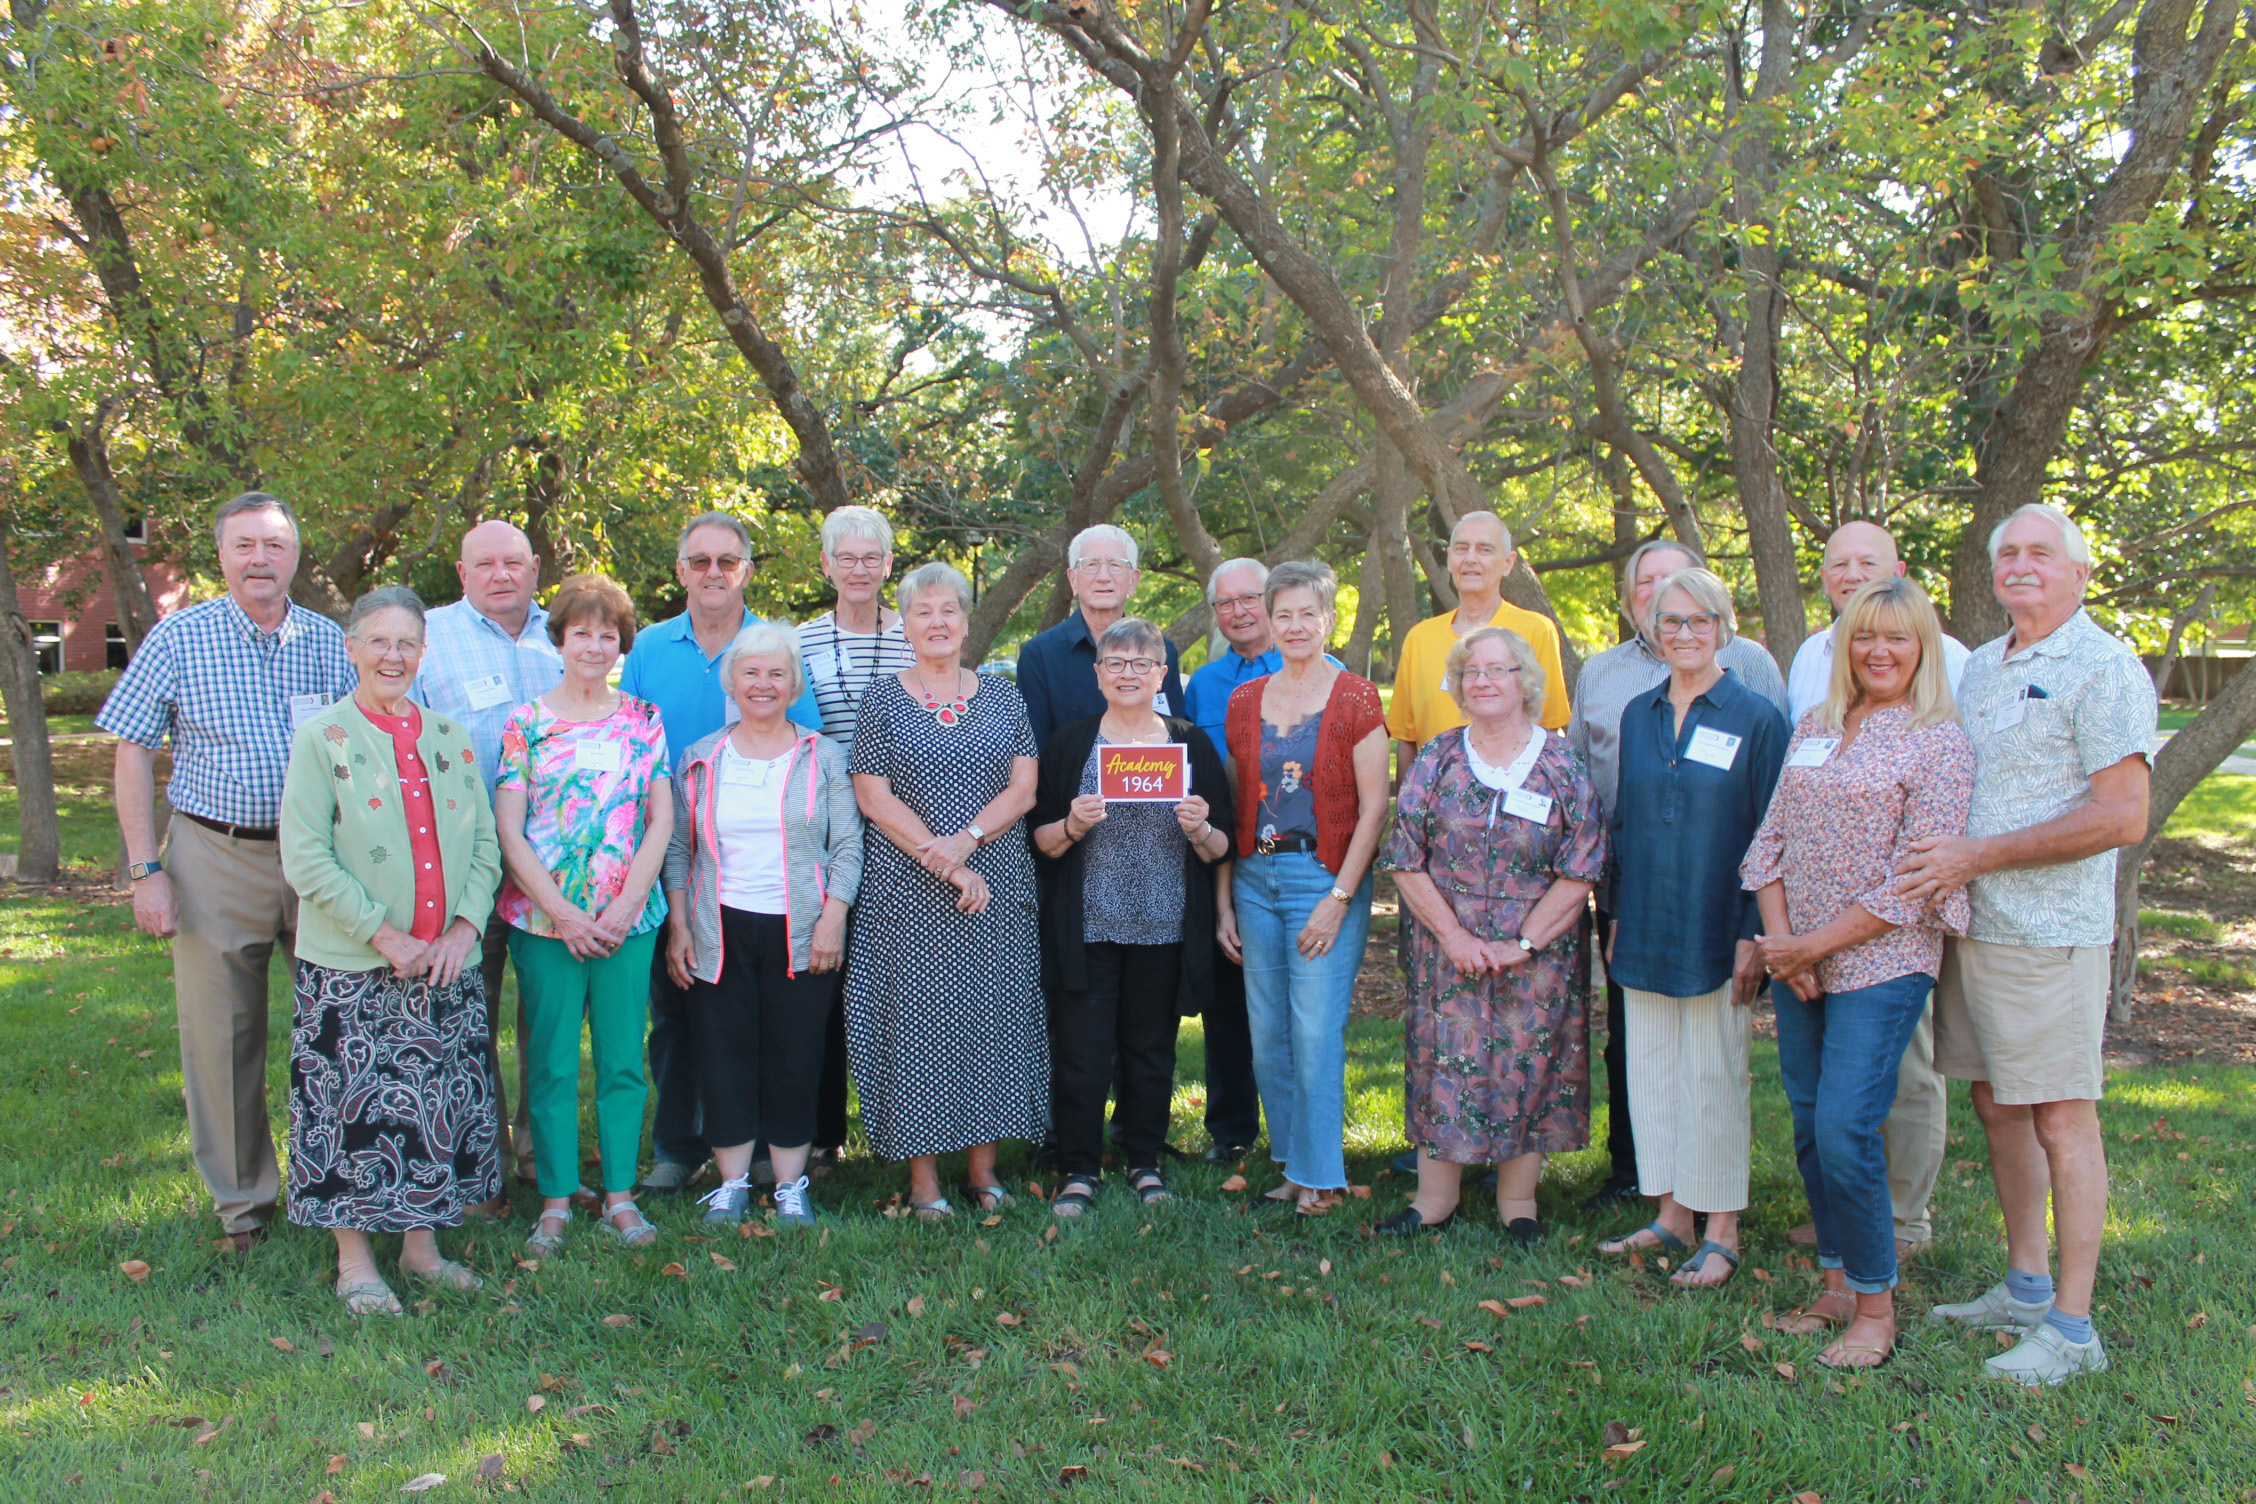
[1310, 749]
[1126, 884]
[1699, 755]
[585, 809]
[944, 1015]
[1880, 763]
[1498, 841]
[388, 841]
[765, 860]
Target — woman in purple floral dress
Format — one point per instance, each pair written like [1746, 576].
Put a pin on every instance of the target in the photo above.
[1497, 842]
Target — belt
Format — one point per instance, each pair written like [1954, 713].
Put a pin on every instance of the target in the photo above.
[236, 832]
[1270, 845]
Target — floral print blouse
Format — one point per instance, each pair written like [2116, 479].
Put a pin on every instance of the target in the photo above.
[1840, 820]
[584, 784]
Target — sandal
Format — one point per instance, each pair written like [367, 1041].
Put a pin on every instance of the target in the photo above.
[641, 1235]
[935, 1210]
[369, 1297]
[448, 1275]
[1879, 1355]
[1809, 1320]
[1284, 1190]
[1664, 1240]
[1076, 1196]
[1149, 1186]
[1699, 1261]
[540, 1243]
[1315, 1203]
[992, 1198]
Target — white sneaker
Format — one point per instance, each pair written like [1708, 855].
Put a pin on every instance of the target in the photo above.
[1995, 1310]
[793, 1208]
[2046, 1356]
[731, 1201]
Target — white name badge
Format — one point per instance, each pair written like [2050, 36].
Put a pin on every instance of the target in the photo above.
[1159, 704]
[304, 707]
[1715, 748]
[1528, 805]
[2008, 715]
[590, 755]
[1813, 752]
[748, 772]
[487, 692]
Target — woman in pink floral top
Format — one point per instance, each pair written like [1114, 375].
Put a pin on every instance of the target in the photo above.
[1882, 762]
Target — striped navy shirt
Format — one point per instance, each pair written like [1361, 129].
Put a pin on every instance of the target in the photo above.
[840, 666]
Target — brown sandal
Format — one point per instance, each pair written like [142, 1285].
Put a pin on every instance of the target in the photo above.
[1809, 1320]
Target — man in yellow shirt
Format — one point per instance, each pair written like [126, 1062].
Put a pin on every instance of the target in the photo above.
[1480, 556]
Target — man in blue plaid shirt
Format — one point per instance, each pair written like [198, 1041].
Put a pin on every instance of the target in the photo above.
[226, 683]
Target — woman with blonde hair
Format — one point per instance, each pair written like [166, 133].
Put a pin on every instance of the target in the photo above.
[1881, 763]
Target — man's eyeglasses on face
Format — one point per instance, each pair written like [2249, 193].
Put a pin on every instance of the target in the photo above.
[726, 563]
[1105, 566]
[1128, 665]
[1700, 625]
[1239, 602]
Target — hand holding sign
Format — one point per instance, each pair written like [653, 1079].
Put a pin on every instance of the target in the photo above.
[1145, 775]
[1191, 814]
[1088, 811]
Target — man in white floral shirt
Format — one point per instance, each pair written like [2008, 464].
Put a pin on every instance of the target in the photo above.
[2062, 717]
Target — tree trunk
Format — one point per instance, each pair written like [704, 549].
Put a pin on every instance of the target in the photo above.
[39, 843]
[129, 587]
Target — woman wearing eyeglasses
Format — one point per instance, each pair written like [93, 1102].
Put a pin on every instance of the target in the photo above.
[1124, 885]
[1700, 754]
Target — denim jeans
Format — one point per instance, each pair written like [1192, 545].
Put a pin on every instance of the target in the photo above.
[1839, 1057]
[1296, 1009]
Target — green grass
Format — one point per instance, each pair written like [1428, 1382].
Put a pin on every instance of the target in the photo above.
[1301, 1360]
[2221, 810]
[2184, 926]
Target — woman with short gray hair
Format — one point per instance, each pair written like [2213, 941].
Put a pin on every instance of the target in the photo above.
[858, 640]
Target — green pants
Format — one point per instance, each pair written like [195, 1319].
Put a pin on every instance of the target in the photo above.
[613, 995]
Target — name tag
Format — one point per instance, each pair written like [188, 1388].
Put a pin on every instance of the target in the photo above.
[1160, 705]
[590, 755]
[1715, 748]
[2008, 715]
[1813, 752]
[487, 692]
[738, 770]
[303, 707]
[1528, 805]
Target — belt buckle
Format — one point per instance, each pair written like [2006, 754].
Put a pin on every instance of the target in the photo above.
[1266, 846]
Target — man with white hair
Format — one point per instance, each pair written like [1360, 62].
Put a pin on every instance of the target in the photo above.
[2062, 717]
[1057, 669]
[858, 638]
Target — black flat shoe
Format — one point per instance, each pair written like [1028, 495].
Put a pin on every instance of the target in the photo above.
[1409, 1221]
[1524, 1231]
[1225, 1154]
[1612, 1193]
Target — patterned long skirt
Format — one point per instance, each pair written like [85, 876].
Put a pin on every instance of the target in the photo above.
[392, 1117]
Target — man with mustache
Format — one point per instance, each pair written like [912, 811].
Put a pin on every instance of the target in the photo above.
[226, 683]
[2062, 717]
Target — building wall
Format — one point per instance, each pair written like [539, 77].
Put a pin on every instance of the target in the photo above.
[75, 593]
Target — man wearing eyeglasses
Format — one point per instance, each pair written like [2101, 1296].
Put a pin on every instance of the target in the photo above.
[1057, 669]
[675, 665]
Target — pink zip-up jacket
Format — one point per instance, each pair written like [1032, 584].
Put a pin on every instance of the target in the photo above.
[822, 845]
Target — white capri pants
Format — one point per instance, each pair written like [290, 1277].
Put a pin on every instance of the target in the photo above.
[1688, 1096]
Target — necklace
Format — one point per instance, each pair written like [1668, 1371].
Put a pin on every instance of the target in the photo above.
[947, 712]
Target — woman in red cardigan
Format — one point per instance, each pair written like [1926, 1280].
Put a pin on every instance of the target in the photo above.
[1308, 744]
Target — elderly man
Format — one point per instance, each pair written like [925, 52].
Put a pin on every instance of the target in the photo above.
[1606, 685]
[483, 656]
[1857, 554]
[675, 665]
[858, 638]
[1057, 669]
[2062, 717]
[226, 683]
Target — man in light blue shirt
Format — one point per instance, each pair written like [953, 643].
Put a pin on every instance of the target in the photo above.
[483, 656]
[675, 665]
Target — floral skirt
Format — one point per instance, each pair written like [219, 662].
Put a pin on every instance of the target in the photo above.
[392, 1114]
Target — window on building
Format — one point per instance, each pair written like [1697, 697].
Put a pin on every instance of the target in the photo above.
[137, 530]
[47, 642]
[113, 646]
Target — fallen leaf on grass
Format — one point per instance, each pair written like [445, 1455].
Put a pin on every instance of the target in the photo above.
[765, 1480]
[1785, 1370]
[1622, 1451]
[1751, 1342]
[1522, 1302]
[1764, 1275]
[366, 1428]
[579, 1410]
[675, 1270]
[1360, 1192]
[861, 1434]
[336, 1464]
[1158, 1357]
[1478, 1347]
[583, 1441]
[422, 1483]
[282, 1344]
[134, 1270]
[1493, 1307]
[536, 1403]
[1006, 1318]
[720, 1262]
[2076, 1471]
[2197, 1321]
[1323, 1266]
[618, 1321]
[1573, 1282]
[1722, 1475]
[1234, 1183]
[2039, 1435]
[490, 1466]
[916, 1305]
[965, 1404]
[1072, 1474]
[829, 1291]
[1810, 1497]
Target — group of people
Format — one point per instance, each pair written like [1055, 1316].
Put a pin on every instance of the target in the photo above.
[772, 857]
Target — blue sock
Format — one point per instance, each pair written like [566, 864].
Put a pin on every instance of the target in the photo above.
[2074, 1328]
[2029, 1289]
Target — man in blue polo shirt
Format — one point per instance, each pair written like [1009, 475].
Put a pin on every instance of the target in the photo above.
[675, 665]
[1057, 669]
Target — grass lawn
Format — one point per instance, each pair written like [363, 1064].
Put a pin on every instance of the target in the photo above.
[1206, 1350]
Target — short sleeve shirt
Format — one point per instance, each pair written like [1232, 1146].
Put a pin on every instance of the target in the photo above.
[2044, 720]
[475, 673]
[840, 666]
[1421, 709]
[584, 784]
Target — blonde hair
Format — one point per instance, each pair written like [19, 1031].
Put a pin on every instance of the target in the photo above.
[1523, 654]
[1705, 591]
[1894, 601]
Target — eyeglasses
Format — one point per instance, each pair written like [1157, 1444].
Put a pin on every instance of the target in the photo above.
[1475, 673]
[726, 563]
[1700, 625]
[1105, 566]
[1127, 665]
[1239, 602]
[858, 561]
[384, 647]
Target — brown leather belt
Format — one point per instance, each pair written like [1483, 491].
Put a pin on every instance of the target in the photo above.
[236, 832]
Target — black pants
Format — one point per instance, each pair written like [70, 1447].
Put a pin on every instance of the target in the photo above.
[1621, 1140]
[830, 1102]
[1233, 1105]
[1118, 1038]
[761, 1036]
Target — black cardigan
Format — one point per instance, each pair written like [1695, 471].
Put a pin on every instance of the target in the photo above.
[1063, 955]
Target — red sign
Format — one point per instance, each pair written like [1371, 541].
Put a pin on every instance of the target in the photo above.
[1145, 775]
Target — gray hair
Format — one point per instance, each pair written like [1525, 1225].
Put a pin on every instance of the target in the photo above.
[1501, 526]
[1131, 633]
[1103, 532]
[925, 578]
[757, 641]
[1301, 574]
[856, 522]
[1638, 555]
[1706, 591]
[383, 598]
[252, 501]
[2071, 536]
[733, 523]
[1532, 682]
[1229, 564]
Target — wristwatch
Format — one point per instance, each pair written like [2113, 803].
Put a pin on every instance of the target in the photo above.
[1342, 895]
[978, 836]
[1526, 944]
[138, 870]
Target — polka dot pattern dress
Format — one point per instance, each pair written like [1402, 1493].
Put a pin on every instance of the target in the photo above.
[945, 1020]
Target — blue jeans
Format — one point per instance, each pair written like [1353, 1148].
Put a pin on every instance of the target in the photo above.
[1296, 1010]
[1838, 1057]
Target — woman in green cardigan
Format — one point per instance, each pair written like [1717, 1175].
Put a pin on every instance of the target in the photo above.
[388, 840]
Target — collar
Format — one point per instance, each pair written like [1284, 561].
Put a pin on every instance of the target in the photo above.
[2054, 644]
[241, 620]
[677, 628]
[1077, 628]
[536, 621]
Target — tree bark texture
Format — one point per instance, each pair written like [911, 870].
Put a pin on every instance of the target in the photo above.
[39, 841]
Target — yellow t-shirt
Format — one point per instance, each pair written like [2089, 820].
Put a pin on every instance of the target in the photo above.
[1421, 709]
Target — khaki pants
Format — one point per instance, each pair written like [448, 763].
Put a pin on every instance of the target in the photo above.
[1689, 1096]
[234, 910]
[517, 1132]
[1915, 1133]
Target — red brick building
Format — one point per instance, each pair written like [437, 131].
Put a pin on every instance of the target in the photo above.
[73, 613]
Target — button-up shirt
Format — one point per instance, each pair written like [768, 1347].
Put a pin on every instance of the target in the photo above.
[1611, 680]
[228, 695]
[1810, 680]
[1057, 677]
[1679, 828]
[476, 673]
[668, 668]
[2043, 721]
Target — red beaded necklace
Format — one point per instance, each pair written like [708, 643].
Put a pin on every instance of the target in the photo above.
[947, 712]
